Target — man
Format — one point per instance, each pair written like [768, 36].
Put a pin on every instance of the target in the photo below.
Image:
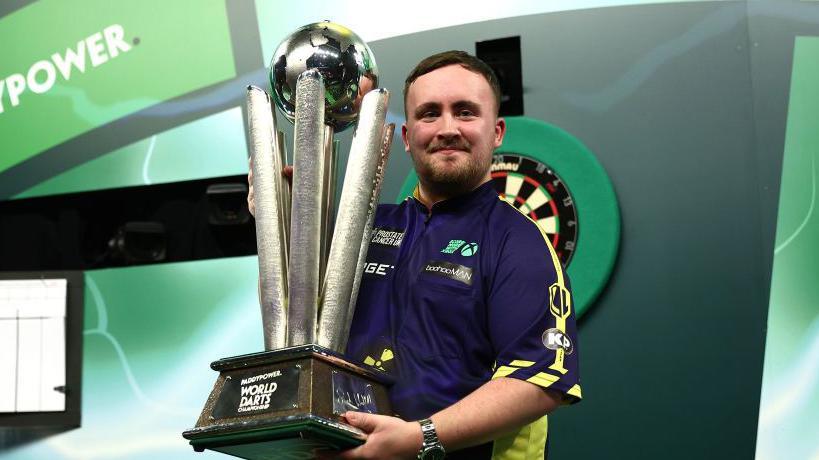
[468, 307]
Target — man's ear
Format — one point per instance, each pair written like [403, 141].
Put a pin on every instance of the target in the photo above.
[404, 137]
[500, 131]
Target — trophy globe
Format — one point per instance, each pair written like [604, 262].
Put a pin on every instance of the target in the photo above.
[344, 61]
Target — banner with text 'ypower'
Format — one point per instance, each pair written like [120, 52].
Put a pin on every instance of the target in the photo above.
[70, 66]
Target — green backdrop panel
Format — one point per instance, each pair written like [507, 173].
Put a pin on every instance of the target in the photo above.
[790, 385]
[210, 147]
[126, 56]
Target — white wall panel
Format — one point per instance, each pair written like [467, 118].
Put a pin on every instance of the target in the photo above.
[8, 364]
[53, 364]
[29, 365]
[32, 345]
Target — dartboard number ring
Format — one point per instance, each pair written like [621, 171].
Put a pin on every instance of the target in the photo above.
[538, 192]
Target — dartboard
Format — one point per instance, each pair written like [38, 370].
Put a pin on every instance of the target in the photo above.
[536, 190]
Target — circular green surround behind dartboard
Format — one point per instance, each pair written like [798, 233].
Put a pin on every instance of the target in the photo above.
[562, 168]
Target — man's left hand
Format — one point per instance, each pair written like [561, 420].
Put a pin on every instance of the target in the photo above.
[387, 437]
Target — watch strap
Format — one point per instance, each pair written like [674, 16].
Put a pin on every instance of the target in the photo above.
[430, 441]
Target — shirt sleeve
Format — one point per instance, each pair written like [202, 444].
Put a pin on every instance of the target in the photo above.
[531, 314]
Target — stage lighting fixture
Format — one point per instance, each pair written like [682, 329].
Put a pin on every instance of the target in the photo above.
[503, 56]
[139, 242]
[227, 204]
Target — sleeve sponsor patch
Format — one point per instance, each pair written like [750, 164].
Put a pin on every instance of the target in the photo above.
[555, 339]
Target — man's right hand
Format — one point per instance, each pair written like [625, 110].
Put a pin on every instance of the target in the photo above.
[287, 173]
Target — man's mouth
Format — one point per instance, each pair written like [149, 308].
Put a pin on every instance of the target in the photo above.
[449, 149]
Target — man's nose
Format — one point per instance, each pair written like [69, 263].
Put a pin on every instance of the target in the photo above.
[449, 127]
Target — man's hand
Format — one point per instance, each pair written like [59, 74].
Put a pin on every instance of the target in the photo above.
[387, 437]
[287, 172]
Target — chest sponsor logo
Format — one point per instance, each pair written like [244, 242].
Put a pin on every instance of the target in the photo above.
[555, 339]
[449, 270]
[466, 249]
[374, 268]
[469, 249]
[452, 246]
[390, 237]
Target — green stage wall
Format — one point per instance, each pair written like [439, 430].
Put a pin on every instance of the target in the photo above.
[789, 404]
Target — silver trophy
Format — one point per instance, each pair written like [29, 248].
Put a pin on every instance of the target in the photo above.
[291, 397]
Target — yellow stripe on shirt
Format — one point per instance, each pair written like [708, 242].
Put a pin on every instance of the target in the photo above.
[528, 443]
[552, 252]
[560, 299]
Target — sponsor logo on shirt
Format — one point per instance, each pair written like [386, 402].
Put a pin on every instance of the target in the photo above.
[387, 237]
[449, 270]
[374, 268]
[466, 249]
[381, 361]
[452, 246]
[469, 249]
[555, 339]
[560, 301]
[379, 354]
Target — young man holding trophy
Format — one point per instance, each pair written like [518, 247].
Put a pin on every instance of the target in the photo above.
[462, 298]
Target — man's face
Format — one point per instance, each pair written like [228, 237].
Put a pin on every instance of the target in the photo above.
[452, 129]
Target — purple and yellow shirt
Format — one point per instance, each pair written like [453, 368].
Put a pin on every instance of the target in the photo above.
[454, 297]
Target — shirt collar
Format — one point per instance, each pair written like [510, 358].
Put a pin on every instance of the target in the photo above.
[479, 195]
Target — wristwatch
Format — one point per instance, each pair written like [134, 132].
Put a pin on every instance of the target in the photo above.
[431, 449]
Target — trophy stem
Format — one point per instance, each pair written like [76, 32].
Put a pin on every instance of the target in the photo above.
[329, 184]
[270, 237]
[308, 198]
[356, 194]
[281, 144]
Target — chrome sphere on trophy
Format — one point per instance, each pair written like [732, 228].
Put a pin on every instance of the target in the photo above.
[344, 61]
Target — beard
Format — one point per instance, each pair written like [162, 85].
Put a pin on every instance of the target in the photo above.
[451, 176]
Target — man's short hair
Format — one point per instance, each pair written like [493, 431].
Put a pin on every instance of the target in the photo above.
[447, 58]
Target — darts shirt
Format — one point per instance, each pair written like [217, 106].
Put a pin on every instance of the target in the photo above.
[455, 296]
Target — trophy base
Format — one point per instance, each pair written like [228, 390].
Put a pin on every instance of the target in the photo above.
[287, 404]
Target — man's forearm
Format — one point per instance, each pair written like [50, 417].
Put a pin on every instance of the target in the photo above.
[496, 408]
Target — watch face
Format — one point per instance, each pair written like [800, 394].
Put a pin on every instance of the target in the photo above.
[434, 453]
[536, 190]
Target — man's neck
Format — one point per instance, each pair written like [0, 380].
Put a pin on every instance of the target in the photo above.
[429, 195]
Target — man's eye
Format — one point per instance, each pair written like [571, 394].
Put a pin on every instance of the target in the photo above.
[466, 113]
[429, 114]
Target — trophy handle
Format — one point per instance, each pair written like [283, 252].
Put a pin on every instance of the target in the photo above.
[271, 239]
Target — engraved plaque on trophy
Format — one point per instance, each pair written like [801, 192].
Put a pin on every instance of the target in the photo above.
[288, 401]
